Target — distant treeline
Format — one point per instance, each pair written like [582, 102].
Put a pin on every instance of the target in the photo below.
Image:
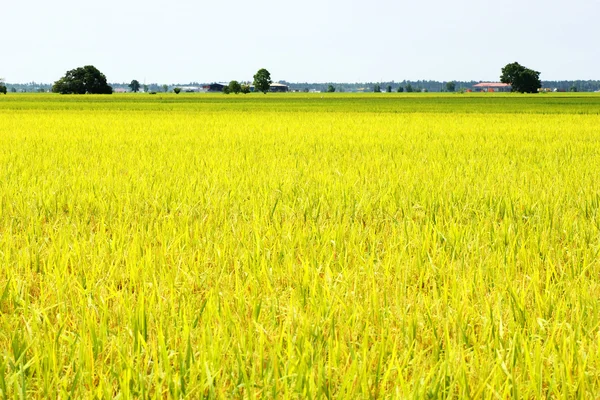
[431, 86]
[416, 86]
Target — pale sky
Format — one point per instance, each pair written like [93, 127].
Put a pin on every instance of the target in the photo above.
[169, 41]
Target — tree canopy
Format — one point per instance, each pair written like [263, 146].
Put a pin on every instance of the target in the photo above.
[522, 79]
[134, 86]
[262, 80]
[235, 87]
[81, 81]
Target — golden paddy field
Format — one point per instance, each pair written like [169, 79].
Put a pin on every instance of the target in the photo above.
[299, 246]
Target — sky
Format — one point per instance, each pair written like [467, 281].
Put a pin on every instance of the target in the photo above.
[179, 41]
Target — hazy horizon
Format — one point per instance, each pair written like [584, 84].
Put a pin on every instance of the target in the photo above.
[316, 41]
[300, 83]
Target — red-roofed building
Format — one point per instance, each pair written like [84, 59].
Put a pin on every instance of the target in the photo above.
[492, 87]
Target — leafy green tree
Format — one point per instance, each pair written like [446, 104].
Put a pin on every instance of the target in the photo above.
[400, 89]
[522, 79]
[450, 86]
[226, 90]
[388, 89]
[330, 89]
[134, 86]
[2, 87]
[165, 88]
[82, 80]
[377, 88]
[573, 88]
[13, 90]
[409, 88]
[235, 87]
[262, 80]
[245, 89]
[176, 90]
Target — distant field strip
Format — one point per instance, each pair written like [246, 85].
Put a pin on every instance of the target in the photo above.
[494, 103]
[294, 246]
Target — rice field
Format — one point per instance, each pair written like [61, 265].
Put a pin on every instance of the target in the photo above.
[300, 246]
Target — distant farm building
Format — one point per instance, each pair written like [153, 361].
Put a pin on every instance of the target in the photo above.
[492, 87]
[190, 89]
[214, 87]
[275, 87]
[278, 87]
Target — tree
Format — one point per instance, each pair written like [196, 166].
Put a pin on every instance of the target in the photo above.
[262, 80]
[82, 80]
[522, 79]
[400, 89]
[134, 86]
[573, 88]
[377, 88]
[165, 88]
[226, 90]
[330, 89]
[176, 90]
[145, 88]
[450, 86]
[235, 87]
[388, 89]
[2, 86]
[409, 88]
[245, 89]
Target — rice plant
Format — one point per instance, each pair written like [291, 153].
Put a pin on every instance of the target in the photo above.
[374, 246]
